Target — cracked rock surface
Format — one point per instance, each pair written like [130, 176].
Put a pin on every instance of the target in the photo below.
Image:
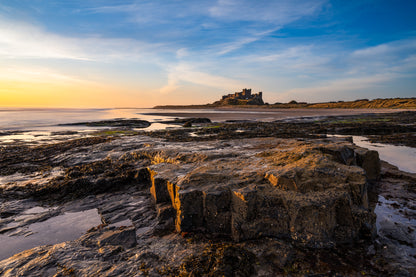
[246, 207]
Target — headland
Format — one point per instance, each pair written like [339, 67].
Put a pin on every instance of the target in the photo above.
[245, 99]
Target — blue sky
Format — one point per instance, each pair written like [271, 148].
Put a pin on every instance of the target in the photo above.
[144, 53]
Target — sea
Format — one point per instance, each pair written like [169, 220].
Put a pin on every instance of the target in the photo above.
[40, 124]
[42, 119]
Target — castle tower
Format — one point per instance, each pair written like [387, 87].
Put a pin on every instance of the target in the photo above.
[246, 93]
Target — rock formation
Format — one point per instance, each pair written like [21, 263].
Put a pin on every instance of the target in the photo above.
[312, 193]
[244, 206]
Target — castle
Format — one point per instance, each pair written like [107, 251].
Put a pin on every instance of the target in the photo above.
[243, 97]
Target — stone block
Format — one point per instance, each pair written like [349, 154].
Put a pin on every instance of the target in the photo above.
[189, 210]
[369, 160]
[159, 188]
[243, 209]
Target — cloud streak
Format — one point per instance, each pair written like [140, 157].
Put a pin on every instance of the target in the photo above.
[39, 75]
[184, 72]
[21, 40]
[339, 89]
[277, 12]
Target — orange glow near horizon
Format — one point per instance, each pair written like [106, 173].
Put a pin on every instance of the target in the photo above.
[36, 94]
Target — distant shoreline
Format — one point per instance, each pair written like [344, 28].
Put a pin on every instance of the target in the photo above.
[387, 103]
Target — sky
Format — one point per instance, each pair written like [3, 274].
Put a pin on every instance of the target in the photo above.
[142, 53]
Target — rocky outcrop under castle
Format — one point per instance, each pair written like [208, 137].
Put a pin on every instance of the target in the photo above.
[245, 97]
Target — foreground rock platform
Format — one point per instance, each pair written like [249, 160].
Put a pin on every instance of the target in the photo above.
[231, 207]
[313, 192]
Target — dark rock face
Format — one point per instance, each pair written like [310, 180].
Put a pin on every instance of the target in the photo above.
[367, 159]
[125, 237]
[196, 120]
[370, 161]
[312, 193]
[131, 123]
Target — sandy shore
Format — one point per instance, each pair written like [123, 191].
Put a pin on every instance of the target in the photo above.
[265, 114]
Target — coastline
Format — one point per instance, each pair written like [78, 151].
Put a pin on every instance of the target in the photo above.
[379, 103]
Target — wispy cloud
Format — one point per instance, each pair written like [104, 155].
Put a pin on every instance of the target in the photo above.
[395, 56]
[266, 17]
[225, 48]
[260, 19]
[360, 73]
[154, 12]
[38, 74]
[398, 47]
[278, 12]
[184, 72]
[21, 40]
[339, 89]
[235, 45]
[299, 58]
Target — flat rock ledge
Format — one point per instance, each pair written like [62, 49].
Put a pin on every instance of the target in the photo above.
[313, 192]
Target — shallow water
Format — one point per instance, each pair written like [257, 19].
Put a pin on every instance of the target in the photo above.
[401, 156]
[61, 228]
[386, 212]
[400, 230]
[48, 120]
[34, 126]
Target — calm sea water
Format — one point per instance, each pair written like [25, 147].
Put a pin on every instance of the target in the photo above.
[12, 119]
[42, 125]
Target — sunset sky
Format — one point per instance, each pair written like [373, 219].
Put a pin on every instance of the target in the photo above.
[97, 53]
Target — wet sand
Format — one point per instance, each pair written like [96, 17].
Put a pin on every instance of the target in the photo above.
[263, 114]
